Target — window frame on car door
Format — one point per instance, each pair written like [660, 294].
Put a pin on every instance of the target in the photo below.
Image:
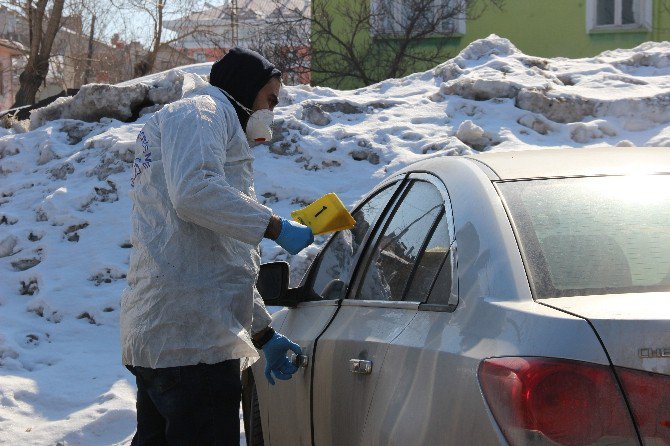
[400, 183]
[367, 253]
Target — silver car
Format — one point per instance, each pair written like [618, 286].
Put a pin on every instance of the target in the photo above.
[517, 298]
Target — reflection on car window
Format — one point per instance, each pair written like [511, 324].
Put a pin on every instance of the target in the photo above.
[440, 293]
[429, 264]
[587, 236]
[399, 246]
[339, 256]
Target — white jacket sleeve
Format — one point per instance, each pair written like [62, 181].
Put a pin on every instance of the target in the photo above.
[261, 317]
[193, 146]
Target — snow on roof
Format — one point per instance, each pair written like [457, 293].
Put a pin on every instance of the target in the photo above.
[64, 204]
[247, 10]
[14, 46]
[265, 7]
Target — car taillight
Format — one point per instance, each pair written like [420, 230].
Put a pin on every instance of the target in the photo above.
[649, 397]
[547, 401]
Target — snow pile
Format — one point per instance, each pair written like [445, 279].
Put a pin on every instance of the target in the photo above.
[627, 84]
[64, 206]
[126, 101]
[96, 101]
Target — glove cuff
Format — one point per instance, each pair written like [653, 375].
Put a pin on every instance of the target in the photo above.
[282, 233]
[260, 343]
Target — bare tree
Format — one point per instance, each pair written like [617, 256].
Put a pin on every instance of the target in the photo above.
[364, 42]
[43, 24]
[156, 11]
[92, 51]
[65, 43]
[71, 49]
[86, 50]
[214, 28]
[284, 38]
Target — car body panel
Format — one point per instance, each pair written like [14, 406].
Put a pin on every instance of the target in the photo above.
[292, 424]
[262, 385]
[429, 392]
[634, 328]
[361, 330]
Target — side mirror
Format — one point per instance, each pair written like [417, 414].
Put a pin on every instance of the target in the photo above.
[272, 281]
[272, 284]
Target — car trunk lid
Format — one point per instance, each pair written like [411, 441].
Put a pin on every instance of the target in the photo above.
[634, 328]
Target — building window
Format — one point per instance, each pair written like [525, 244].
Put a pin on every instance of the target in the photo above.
[199, 57]
[616, 15]
[393, 18]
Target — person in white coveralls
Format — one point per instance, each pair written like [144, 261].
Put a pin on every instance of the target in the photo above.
[191, 316]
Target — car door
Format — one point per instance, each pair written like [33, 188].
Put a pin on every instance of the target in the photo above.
[287, 404]
[415, 400]
[349, 357]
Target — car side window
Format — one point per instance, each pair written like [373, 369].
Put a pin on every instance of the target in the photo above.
[433, 257]
[399, 247]
[440, 291]
[339, 256]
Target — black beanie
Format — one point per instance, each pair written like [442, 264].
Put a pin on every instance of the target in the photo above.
[242, 73]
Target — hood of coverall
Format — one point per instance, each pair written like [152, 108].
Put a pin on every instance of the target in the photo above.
[242, 73]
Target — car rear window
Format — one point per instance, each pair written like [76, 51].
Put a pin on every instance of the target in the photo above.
[595, 235]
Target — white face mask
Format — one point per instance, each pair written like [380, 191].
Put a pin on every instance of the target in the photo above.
[259, 125]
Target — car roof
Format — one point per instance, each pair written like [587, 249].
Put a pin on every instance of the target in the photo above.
[574, 162]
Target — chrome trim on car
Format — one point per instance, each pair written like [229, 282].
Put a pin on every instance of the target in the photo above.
[402, 305]
[319, 303]
[360, 366]
[654, 352]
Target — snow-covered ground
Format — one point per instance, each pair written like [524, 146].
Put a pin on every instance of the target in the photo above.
[64, 206]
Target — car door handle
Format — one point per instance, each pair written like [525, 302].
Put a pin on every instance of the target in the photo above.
[299, 360]
[360, 366]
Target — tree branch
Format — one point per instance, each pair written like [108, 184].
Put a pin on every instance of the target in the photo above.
[367, 44]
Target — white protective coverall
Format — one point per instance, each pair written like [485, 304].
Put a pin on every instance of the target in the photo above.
[196, 225]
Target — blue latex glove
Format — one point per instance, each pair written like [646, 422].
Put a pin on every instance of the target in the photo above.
[276, 361]
[294, 237]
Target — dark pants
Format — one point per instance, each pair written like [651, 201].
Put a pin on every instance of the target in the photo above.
[190, 405]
